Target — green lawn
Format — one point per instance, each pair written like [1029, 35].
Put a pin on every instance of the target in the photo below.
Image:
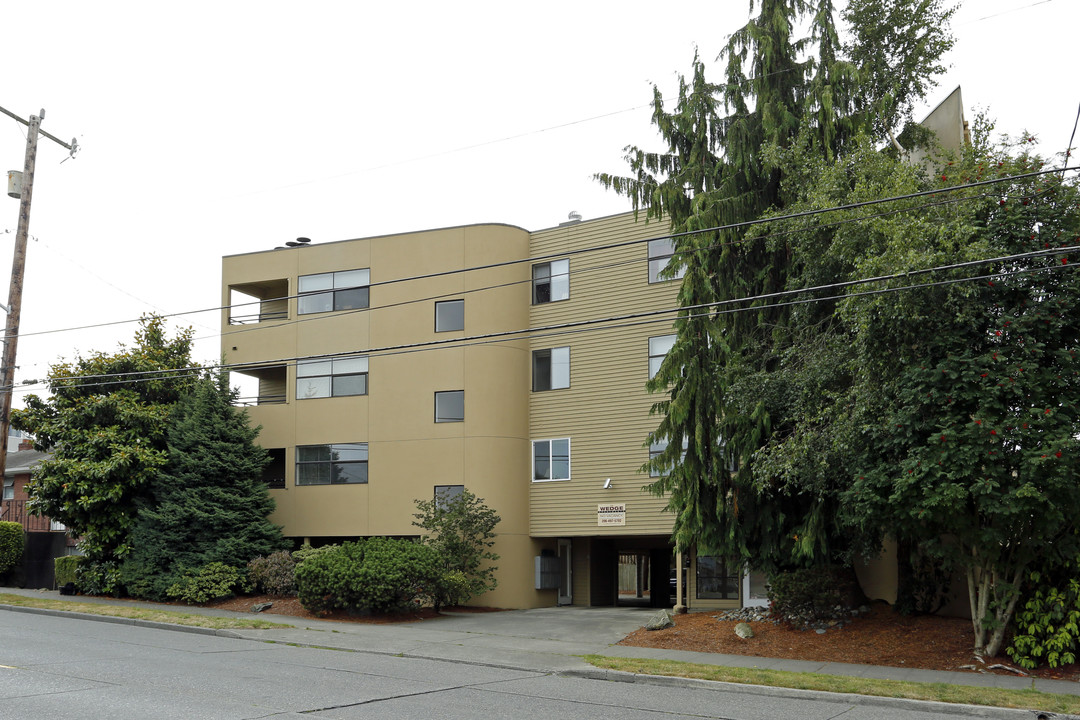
[940, 692]
[137, 613]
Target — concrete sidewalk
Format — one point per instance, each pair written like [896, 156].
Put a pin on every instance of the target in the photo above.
[542, 639]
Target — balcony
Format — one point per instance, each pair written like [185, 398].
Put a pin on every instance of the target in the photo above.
[259, 302]
[17, 511]
[260, 385]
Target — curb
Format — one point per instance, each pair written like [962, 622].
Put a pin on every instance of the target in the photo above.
[978, 711]
[125, 621]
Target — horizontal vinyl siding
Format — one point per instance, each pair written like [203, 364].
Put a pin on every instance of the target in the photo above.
[605, 411]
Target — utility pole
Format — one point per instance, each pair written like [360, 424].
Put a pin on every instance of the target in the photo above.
[18, 266]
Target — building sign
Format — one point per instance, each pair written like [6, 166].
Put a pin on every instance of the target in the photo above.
[611, 514]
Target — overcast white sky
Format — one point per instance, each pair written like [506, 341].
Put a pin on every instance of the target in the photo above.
[215, 128]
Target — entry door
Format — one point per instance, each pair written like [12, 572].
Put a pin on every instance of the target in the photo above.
[566, 574]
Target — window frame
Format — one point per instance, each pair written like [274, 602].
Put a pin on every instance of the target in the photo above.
[8, 492]
[724, 576]
[449, 492]
[660, 259]
[446, 394]
[331, 462]
[554, 279]
[550, 353]
[657, 448]
[333, 290]
[332, 375]
[443, 303]
[654, 356]
[550, 460]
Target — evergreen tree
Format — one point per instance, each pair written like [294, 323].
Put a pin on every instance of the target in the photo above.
[106, 423]
[718, 172]
[208, 504]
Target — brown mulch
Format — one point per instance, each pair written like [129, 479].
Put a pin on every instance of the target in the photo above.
[880, 637]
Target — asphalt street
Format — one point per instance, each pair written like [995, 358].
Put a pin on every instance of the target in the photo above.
[64, 668]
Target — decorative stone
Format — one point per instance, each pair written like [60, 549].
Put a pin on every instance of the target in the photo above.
[259, 607]
[820, 631]
[744, 631]
[659, 621]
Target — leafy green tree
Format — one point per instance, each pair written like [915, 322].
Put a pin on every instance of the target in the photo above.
[208, 504]
[462, 530]
[977, 457]
[105, 422]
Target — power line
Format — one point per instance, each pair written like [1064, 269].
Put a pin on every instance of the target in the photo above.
[612, 246]
[713, 308]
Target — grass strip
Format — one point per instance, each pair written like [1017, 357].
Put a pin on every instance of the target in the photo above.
[139, 613]
[1028, 699]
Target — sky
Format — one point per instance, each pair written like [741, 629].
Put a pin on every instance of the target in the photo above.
[216, 128]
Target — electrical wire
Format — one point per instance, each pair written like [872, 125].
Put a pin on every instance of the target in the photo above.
[609, 246]
[714, 308]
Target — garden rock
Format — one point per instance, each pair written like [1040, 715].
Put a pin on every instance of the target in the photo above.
[744, 631]
[659, 621]
[259, 607]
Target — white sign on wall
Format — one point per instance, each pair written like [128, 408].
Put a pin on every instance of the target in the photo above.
[611, 514]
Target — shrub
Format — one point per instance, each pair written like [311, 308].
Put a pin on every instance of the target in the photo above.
[1048, 626]
[462, 530]
[373, 575]
[66, 569]
[306, 551]
[210, 582]
[274, 574]
[11, 545]
[807, 595]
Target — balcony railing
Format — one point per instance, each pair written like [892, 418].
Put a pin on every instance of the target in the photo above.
[17, 511]
[258, 317]
[260, 400]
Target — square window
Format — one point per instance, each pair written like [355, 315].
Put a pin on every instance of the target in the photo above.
[551, 459]
[659, 347]
[342, 290]
[450, 406]
[449, 315]
[658, 447]
[551, 281]
[660, 254]
[445, 494]
[551, 369]
[344, 463]
[334, 377]
[715, 579]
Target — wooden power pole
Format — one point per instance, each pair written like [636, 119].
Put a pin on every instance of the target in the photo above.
[18, 267]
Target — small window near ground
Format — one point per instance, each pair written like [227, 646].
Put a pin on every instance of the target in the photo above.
[716, 579]
[449, 315]
[444, 494]
[450, 406]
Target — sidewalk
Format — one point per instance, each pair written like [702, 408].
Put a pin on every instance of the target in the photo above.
[542, 639]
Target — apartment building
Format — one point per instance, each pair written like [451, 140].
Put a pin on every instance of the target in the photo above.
[487, 357]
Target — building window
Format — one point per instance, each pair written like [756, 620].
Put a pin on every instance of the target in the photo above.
[659, 347]
[334, 377]
[9, 489]
[715, 581]
[660, 253]
[551, 281]
[450, 406]
[332, 464]
[444, 494]
[344, 290]
[449, 315]
[658, 447]
[551, 459]
[551, 368]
